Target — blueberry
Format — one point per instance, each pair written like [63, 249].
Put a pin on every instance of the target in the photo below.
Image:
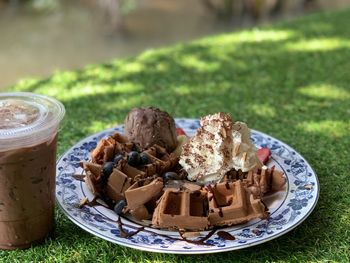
[133, 158]
[119, 206]
[117, 159]
[144, 159]
[107, 169]
[135, 148]
[171, 176]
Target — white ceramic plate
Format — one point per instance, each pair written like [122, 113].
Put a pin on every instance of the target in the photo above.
[287, 208]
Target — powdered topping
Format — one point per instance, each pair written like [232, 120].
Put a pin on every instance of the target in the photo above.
[206, 156]
[218, 146]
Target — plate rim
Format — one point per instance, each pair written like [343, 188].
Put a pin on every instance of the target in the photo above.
[189, 252]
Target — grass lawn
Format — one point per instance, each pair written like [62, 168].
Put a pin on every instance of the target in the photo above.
[290, 80]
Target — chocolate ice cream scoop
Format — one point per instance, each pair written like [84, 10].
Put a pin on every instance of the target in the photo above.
[149, 126]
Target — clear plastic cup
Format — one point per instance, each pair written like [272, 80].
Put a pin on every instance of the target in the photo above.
[29, 125]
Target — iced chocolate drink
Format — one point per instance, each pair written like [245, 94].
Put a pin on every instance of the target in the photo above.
[28, 138]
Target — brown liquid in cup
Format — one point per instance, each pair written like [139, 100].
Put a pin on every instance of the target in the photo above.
[27, 194]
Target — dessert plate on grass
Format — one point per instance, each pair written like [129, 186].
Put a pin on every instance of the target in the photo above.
[288, 208]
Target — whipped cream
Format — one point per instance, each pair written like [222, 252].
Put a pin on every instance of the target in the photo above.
[218, 146]
[244, 155]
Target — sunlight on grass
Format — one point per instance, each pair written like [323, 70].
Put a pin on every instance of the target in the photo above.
[150, 54]
[192, 61]
[263, 110]
[119, 104]
[133, 67]
[22, 84]
[182, 90]
[333, 129]
[318, 44]
[256, 35]
[325, 91]
[161, 67]
[96, 126]
[82, 90]
[126, 102]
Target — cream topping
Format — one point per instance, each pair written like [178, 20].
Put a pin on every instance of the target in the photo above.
[218, 146]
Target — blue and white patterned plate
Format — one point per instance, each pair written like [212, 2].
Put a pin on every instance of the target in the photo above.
[288, 208]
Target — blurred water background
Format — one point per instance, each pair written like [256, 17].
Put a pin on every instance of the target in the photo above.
[39, 37]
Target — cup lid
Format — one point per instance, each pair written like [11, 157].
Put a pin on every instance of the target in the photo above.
[27, 117]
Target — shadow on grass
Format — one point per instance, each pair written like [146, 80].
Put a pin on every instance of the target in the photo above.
[299, 96]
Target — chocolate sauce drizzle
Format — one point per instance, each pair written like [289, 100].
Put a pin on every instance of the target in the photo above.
[200, 241]
[225, 235]
[126, 234]
[221, 214]
[94, 202]
[210, 190]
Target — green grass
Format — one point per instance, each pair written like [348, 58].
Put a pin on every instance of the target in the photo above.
[290, 80]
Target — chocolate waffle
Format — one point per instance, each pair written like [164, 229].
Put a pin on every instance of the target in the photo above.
[182, 210]
[259, 181]
[231, 203]
[141, 197]
[126, 181]
[214, 205]
[175, 204]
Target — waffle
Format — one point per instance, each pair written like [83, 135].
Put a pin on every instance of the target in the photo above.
[141, 197]
[107, 148]
[127, 181]
[217, 205]
[182, 210]
[231, 203]
[260, 181]
[178, 204]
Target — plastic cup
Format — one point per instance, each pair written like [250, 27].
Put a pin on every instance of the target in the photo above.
[29, 125]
